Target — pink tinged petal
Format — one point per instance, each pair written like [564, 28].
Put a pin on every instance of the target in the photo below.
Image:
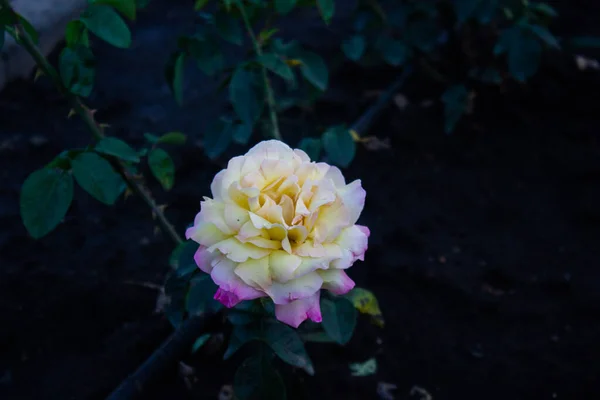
[228, 299]
[353, 197]
[255, 273]
[237, 251]
[354, 239]
[206, 234]
[223, 274]
[283, 265]
[336, 281]
[298, 311]
[205, 259]
[235, 216]
[299, 288]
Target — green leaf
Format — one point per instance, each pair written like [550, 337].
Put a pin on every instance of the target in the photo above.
[326, 8]
[339, 318]
[198, 343]
[242, 133]
[77, 70]
[312, 147]
[174, 75]
[507, 39]
[314, 69]
[125, 7]
[545, 35]
[183, 254]
[76, 34]
[256, 379]
[104, 22]
[151, 138]
[218, 137]
[524, 56]
[455, 100]
[354, 47]
[116, 147]
[97, 177]
[229, 28]
[162, 167]
[240, 335]
[366, 303]
[45, 199]
[236, 317]
[423, 34]
[277, 65]
[200, 297]
[206, 52]
[317, 337]
[288, 346]
[244, 96]
[394, 52]
[284, 6]
[339, 145]
[172, 138]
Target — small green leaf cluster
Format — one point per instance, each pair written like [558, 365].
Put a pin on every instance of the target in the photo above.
[491, 42]
[254, 324]
[249, 82]
[47, 193]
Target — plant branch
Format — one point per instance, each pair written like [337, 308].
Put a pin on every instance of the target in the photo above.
[87, 116]
[265, 76]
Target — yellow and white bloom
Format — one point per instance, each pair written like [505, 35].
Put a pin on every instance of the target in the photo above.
[281, 226]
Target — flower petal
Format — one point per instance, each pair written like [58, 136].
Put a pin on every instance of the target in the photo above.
[255, 273]
[353, 197]
[305, 286]
[237, 251]
[298, 311]
[205, 233]
[223, 275]
[283, 265]
[205, 259]
[336, 281]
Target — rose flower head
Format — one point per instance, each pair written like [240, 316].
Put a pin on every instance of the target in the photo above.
[280, 226]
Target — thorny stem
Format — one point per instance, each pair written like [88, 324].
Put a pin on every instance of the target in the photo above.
[87, 116]
[265, 76]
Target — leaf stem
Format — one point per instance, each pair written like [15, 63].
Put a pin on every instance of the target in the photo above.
[265, 76]
[87, 116]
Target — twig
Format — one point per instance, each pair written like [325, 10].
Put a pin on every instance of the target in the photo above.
[88, 118]
[365, 121]
[265, 76]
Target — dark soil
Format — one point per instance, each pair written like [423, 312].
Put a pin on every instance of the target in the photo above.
[483, 251]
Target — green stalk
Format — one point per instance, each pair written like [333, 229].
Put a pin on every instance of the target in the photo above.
[265, 76]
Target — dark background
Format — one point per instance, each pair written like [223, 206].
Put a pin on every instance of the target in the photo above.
[483, 251]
